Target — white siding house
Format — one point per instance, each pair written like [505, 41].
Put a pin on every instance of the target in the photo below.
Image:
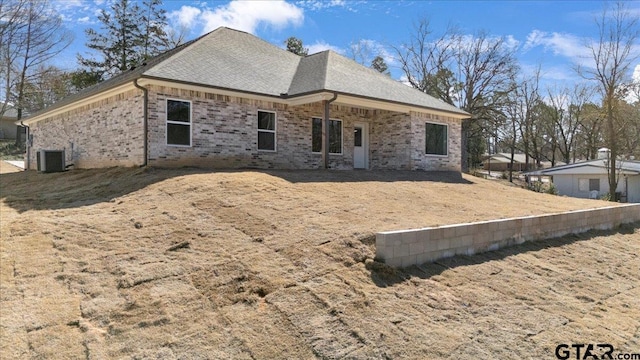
[588, 179]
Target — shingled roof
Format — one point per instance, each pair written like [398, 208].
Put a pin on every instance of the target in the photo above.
[234, 60]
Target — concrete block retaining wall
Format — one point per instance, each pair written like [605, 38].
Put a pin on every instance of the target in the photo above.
[409, 247]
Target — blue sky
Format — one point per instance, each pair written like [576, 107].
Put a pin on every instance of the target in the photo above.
[549, 33]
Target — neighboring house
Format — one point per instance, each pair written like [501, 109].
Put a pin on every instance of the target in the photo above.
[588, 179]
[502, 162]
[229, 99]
[8, 127]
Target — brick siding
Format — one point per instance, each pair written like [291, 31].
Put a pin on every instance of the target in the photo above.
[224, 134]
[103, 134]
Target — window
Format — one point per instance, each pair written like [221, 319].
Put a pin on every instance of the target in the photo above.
[357, 137]
[178, 123]
[335, 136]
[589, 184]
[436, 142]
[266, 131]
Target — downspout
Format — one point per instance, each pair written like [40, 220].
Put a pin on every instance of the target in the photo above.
[28, 144]
[145, 120]
[325, 130]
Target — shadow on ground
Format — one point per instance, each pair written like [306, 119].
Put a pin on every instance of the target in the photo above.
[31, 190]
[383, 275]
[311, 176]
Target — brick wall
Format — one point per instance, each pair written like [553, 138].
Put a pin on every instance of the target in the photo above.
[105, 133]
[419, 160]
[224, 134]
[390, 141]
[410, 247]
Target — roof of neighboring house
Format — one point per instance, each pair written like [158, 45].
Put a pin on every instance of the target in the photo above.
[10, 114]
[590, 167]
[229, 59]
[517, 159]
[506, 158]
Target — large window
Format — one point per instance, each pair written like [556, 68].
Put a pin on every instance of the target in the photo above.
[178, 123]
[266, 131]
[335, 136]
[436, 142]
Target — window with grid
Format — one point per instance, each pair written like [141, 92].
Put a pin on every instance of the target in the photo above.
[178, 123]
[266, 131]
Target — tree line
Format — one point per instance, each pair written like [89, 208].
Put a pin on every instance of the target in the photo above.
[32, 34]
[479, 73]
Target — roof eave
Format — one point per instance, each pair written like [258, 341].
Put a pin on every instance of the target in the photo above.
[296, 100]
[56, 110]
[370, 103]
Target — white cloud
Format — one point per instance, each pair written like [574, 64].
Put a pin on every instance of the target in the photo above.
[322, 4]
[319, 46]
[635, 95]
[68, 4]
[77, 11]
[566, 45]
[470, 41]
[248, 15]
[511, 42]
[186, 16]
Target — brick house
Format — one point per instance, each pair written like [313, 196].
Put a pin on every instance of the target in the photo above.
[229, 99]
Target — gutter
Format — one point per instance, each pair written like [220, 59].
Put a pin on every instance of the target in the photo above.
[27, 143]
[145, 120]
[325, 132]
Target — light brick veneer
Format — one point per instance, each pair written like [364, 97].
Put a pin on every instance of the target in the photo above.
[105, 133]
[224, 134]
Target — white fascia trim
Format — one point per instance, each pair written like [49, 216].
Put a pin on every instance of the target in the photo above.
[384, 105]
[371, 104]
[309, 99]
[91, 99]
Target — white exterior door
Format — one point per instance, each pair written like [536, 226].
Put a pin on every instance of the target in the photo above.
[361, 146]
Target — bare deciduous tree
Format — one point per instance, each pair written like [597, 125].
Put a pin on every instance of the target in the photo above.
[473, 72]
[32, 37]
[612, 55]
[564, 117]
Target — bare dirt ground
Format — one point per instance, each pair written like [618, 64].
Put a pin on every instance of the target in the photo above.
[195, 264]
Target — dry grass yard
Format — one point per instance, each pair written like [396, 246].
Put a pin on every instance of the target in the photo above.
[192, 264]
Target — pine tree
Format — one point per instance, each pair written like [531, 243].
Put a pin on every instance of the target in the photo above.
[295, 46]
[154, 19]
[379, 65]
[129, 35]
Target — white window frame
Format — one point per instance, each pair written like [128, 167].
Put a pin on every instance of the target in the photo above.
[446, 139]
[341, 137]
[167, 122]
[274, 131]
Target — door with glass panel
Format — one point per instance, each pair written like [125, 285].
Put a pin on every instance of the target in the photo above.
[361, 146]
